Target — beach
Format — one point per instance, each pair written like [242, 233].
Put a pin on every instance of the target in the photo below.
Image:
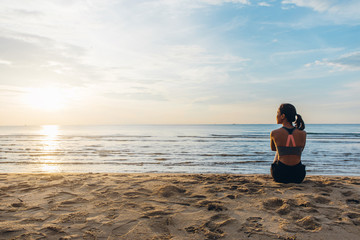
[177, 206]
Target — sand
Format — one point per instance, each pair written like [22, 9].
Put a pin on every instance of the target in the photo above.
[177, 206]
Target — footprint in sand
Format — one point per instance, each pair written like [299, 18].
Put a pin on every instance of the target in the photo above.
[241, 181]
[112, 213]
[123, 228]
[254, 188]
[284, 209]
[354, 217]
[198, 196]
[6, 229]
[169, 191]
[52, 229]
[212, 189]
[212, 228]
[302, 224]
[219, 220]
[352, 201]
[91, 233]
[324, 191]
[347, 193]
[18, 205]
[148, 208]
[272, 203]
[281, 206]
[160, 224]
[250, 189]
[243, 189]
[251, 225]
[193, 229]
[321, 200]
[309, 223]
[77, 217]
[231, 196]
[307, 203]
[212, 205]
[300, 201]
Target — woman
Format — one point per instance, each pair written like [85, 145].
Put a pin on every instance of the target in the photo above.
[288, 142]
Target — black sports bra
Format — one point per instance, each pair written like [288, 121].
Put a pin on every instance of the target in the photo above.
[287, 150]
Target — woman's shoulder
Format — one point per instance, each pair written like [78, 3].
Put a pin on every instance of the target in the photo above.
[301, 131]
[276, 131]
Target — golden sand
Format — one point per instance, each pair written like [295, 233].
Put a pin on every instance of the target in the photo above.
[177, 206]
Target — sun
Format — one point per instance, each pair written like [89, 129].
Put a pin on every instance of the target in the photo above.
[49, 99]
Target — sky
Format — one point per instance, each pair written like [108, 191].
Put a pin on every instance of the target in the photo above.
[74, 62]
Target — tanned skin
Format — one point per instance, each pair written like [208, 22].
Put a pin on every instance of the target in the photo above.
[278, 137]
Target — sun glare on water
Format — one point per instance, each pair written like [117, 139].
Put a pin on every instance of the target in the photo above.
[50, 147]
[50, 132]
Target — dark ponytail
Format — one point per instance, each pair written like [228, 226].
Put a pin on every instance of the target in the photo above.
[290, 114]
[299, 123]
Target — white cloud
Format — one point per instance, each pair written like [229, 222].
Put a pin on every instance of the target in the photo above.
[37, 61]
[304, 56]
[307, 51]
[346, 62]
[8, 89]
[192, 3]
[225, 1]
[121, 44]
[337, 9]
[316, 5]
[5, 62]
[264, 4]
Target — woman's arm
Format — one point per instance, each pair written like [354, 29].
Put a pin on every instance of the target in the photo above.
[272, 142]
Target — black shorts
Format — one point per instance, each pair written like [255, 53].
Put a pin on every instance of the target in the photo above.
[288, 174]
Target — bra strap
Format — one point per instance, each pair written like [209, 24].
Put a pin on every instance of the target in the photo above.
[290, 137]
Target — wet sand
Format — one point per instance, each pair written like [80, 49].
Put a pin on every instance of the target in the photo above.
[177, 206]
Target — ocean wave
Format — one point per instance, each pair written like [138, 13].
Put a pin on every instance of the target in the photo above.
[215, 148]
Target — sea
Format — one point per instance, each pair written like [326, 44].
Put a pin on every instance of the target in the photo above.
[331, 149]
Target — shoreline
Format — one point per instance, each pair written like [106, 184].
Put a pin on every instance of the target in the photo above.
[177, 206]
[178, 173]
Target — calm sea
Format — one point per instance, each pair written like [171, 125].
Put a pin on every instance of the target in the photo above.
[241, 149]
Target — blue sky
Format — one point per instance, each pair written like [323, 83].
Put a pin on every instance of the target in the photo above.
[173, 61]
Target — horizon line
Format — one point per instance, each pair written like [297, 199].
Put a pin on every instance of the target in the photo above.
[164, 124]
